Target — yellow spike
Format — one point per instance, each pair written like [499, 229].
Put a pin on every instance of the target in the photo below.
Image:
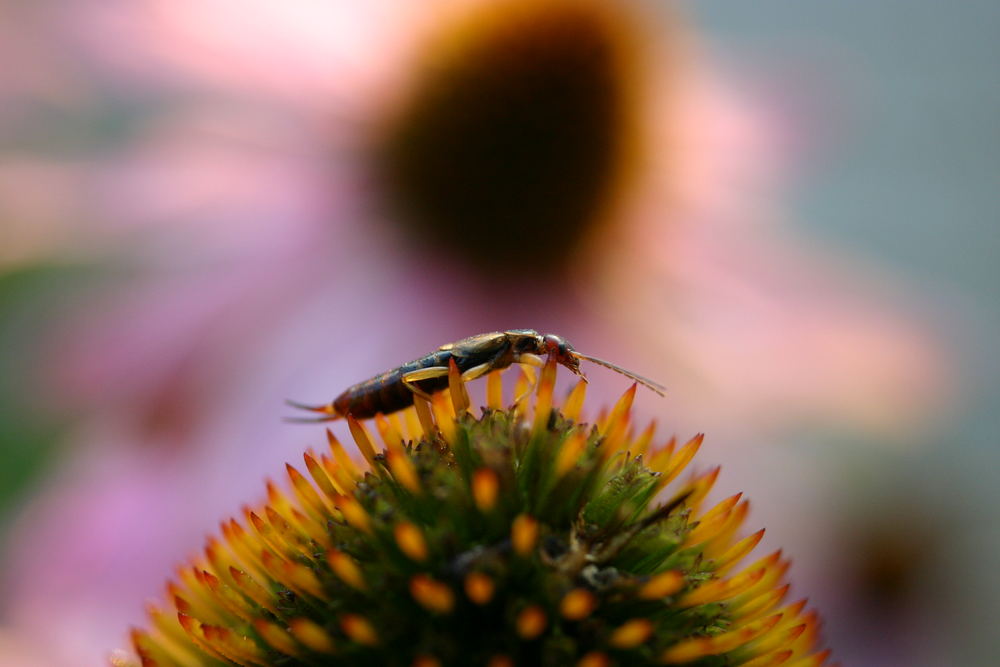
[252, 589]
[779, 640]
[403, 471]
[522, 388]
[712, 523]
[721, 542]
[341, 457]
[346, 569]
[807, 641]
[813, 660]
[396, 424]
[220, 557]
[410, 541]
[281, 533]
[315, 528]
[413, 427]
[615, 437]
[570, 451]
[238, 649]
[700, 487]
[425, 416]
[363, 440]
[791, 615]
[226, 597]
[641, 444]
[735, 553]
[444, 416]
[456, 388]
[699, 647]
[200, 602]
[543, 400]
[278, 534]
[722, 508]
[721, 589]
[479, 587]
[485, 487]
[340, 477]
[358, 629]
[432, 595]
[322, 480]
[769, 660]
[659, 458]
[169, 630]
[619, 413]
[680, 460]
[354, 513]
[243, 544]
[303, 579]
[662, 585]
[524, 534]
[760, 605]
[276, 637]
[307, 495]
[276, 499]
[172, 638]
[194, 630]
[775, 571]
[531, 622]
[148, 650]
[631, 633]
[389, 433]
[494, 390]
[573, 406]
[312, 636]
[577, 604]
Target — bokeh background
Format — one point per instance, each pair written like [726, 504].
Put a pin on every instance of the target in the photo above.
[786, 212]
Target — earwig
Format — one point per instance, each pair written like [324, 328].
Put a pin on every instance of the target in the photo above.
[474, 356]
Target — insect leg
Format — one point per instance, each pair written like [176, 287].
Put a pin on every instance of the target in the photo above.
[411, 378]
[529, 375]
[477, 371]
[530, 359]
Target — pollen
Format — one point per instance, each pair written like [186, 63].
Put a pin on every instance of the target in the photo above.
[662, 585]
[479, 587]
[432, 595]
[485, 486]
[531, 622]
[631, 634]
[358, 629]
[524, 534]
[577, 604]
[410, 541]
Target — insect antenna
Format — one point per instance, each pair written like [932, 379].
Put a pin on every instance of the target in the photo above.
[646, 382]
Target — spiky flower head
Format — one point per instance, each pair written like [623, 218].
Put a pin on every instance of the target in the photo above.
[518, 535]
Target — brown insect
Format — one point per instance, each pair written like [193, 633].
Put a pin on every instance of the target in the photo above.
[474, 356]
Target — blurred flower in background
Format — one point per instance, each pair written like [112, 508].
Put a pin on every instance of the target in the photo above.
[269, 199]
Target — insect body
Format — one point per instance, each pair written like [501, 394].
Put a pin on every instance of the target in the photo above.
[474, 356]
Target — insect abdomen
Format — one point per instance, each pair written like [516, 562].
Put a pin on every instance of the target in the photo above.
[386, 393]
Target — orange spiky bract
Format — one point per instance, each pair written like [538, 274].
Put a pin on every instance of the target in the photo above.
[509, 536]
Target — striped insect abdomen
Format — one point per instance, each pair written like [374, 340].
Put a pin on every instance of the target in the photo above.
[386, 393]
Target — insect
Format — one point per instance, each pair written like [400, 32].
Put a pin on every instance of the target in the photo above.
[474, 356]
